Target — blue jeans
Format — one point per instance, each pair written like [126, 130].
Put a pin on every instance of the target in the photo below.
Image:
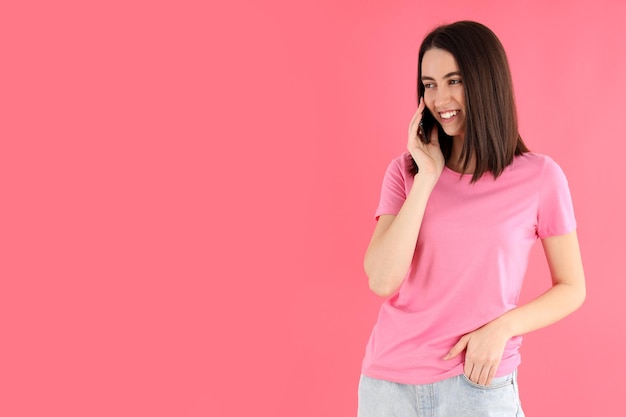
[452, 397]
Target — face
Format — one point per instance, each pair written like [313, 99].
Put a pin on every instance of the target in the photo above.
[443, 91]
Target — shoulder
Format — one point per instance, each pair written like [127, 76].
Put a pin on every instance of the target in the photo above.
[537, 163]
[544, 173]
[400, 165]
[401, 161]
[531, 159]
[397, 175]
[396, 184]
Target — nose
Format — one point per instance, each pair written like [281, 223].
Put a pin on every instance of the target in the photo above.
[443, 96]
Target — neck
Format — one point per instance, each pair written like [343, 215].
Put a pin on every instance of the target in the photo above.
[455, 162]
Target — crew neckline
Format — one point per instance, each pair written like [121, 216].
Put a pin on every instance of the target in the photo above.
[460, 174]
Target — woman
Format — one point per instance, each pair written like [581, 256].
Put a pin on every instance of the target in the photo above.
[457, 218]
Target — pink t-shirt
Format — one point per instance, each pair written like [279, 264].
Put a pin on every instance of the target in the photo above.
[469, 263]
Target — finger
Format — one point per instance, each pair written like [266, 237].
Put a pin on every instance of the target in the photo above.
[414, 123]
[483, 378]
[475, 374]
[421, 105]
[458, 348]
[434, 135]
[468, 367]
[492, 374]
[417, 116]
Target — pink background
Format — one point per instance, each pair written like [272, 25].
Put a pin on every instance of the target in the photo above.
[188, 190]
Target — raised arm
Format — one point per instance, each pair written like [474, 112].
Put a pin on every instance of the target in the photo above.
[391, 248]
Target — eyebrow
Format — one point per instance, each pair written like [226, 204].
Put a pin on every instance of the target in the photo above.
[448, 75]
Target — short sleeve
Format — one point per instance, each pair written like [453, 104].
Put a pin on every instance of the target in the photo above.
[555, 211]
[393, 192]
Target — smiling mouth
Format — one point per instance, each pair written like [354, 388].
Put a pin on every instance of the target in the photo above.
[449, 114]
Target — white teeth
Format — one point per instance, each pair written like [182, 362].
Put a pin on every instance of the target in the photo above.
[448, 114]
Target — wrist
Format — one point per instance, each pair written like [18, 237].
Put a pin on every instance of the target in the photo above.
[426, 179]
[504, 325]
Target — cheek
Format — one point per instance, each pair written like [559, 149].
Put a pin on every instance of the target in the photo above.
[429, 101]
[460, 97]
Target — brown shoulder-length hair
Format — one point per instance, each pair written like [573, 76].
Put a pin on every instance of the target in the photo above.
[491, 132]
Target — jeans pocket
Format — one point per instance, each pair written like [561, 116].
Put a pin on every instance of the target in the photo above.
[496, 383]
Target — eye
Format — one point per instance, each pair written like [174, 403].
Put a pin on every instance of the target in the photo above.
[429, 85]
[455, 81]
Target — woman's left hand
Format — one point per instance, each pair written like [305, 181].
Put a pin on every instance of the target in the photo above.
[484, 349]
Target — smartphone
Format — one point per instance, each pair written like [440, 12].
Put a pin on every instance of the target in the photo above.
[426, 125]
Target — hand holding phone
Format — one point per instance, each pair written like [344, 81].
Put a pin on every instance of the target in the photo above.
[423, 142]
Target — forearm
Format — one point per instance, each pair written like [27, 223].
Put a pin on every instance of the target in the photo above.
[558, 302]
[390, 253]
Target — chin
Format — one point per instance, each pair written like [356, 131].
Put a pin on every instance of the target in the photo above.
[450, 131]
[453, 132]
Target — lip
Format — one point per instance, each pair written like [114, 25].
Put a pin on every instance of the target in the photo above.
[451, 119]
